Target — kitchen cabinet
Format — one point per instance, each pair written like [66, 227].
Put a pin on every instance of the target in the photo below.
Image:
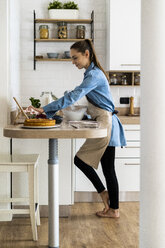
[127, 164]
[132, 78]
[123, 34]
[54, 39]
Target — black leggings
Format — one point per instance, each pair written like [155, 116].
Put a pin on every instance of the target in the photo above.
[108, 167]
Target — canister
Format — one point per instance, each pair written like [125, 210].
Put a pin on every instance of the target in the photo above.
[44, 31]
[62, 30]
[80, 34]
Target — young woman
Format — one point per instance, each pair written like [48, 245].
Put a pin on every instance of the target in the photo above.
[101, 108]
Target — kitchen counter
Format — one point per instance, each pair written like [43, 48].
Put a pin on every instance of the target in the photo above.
[126, 120]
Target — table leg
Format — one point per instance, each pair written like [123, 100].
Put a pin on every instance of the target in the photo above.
[53, 188]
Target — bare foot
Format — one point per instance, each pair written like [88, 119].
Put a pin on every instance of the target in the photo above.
[105, 198]
[110, 213]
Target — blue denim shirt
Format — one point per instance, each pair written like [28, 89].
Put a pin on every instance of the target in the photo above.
[96, 87]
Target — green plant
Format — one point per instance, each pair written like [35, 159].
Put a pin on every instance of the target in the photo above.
[70, 5]
[55, 5]
[35, 102]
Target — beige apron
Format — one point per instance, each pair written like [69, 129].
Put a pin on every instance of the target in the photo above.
[93, 149]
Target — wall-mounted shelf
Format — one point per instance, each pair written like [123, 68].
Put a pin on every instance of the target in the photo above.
[54, 39]
[47, 59]
[58, 40]
[131, 77]
[83, 21]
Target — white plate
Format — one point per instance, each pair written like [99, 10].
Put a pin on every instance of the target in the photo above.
[41, 127]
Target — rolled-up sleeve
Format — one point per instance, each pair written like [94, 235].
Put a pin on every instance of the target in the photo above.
[88, 84]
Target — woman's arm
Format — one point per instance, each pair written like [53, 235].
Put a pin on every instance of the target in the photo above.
[88, 84]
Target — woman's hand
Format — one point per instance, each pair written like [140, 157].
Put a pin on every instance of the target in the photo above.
[31, 108]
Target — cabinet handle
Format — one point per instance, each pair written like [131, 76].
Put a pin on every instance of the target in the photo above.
[131, 129]
[130, 64]
[131, 163]
[132, 147]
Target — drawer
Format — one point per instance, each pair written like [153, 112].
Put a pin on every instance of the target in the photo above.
[128, 174]
[132, 132]
[131, 150]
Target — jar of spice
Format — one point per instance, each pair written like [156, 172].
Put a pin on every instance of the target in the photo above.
[80, 34]
[44, 31]
[113, 79]
[137, 79]
[62, 30]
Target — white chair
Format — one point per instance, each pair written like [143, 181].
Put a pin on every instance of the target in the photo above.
[24, 163]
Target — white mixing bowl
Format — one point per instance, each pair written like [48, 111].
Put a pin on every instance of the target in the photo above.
[74, 113]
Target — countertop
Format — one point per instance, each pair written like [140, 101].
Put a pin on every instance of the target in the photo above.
[129, 119]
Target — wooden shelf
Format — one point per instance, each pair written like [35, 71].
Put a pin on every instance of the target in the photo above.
[36, 21]
[47, 59]
[58, 40]
[87, 21]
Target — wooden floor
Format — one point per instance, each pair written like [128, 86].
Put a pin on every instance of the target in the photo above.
[82, 230]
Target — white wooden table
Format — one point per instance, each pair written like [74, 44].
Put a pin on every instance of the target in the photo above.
[63, 132]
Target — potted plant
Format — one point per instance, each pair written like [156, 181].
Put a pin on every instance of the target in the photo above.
[58, 10]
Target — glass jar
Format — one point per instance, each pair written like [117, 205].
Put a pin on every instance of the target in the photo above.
[80, 34]
[44, 31]
[62, 30]
[124, 80]
[113, 79]
[46, 98]
[137, 79]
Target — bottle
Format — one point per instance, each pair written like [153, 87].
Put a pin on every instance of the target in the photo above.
[113, 79]
[44, 31]
[80, 34]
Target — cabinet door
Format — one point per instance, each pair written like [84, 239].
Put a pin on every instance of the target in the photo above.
[124, 35]
[128, 174]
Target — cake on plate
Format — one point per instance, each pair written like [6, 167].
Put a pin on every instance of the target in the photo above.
[39, 122]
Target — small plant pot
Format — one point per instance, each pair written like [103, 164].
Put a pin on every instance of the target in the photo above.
[63, 14]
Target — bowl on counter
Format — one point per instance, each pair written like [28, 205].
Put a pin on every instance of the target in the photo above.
[67, 54]
[53, 55]
[74, 113]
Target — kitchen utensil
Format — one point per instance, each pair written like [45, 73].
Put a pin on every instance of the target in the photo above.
[21, 109]
[132, 105]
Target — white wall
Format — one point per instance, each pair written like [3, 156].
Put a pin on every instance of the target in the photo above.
[14, 51]
[4, 103]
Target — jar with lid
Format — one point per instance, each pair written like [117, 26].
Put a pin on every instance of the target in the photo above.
[47, 97]
[124, 80]
[80, 34]
[137, 79]
[62, 30]
[113, 79]
[44, 31]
